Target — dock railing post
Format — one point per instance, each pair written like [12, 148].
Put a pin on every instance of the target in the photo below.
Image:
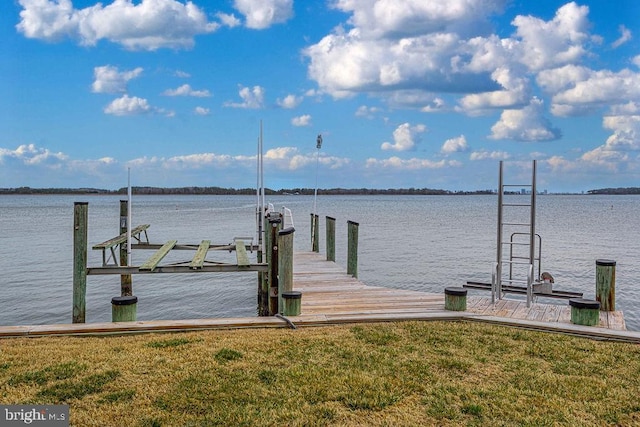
[331, 238]
[285, 264]
[80, 219]
[126, 284]
[606, 284]
[352, 248]
[270, 291]
[315, 230]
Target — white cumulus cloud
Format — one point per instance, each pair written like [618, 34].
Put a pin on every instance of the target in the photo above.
[304, 120]
[290, 101]
[547, 44]
[264, 13]
[144, 25]
[202, 111]
[108, 79]
[252, 98]
[455, 145]
[128, 106]
[186, 90]
[489, 155]
[405, 137]
[526, 124]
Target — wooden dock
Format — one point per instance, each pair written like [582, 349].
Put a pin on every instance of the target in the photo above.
[328, 291]
[331, 296]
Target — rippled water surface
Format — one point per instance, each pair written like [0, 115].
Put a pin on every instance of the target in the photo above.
[411, 242]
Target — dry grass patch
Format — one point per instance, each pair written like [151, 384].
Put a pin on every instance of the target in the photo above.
[409, 373]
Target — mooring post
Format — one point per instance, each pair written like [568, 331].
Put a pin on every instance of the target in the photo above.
[331, 239]
[270, 286]
[285, 264]
[124, 308]
[126, 286]
[80, 219]
[352, 248]
[315, 229]
[606, 284]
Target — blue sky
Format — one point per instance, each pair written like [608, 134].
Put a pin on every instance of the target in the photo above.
[405, 93]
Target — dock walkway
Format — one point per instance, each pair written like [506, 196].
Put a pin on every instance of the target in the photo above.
[331, 296]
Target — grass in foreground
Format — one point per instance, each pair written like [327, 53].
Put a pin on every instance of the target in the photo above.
[413, 373]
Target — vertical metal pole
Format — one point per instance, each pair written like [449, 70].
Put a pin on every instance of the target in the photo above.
[130, 208]
[496, 290]
[314, 216]
[263, 287]
[532, 236]
[80, 219]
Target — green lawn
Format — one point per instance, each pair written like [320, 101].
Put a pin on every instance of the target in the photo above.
[390, 374]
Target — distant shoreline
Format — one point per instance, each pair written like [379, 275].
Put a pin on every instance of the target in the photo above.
[219, 191]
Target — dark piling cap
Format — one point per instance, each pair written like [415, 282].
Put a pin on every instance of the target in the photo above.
[605, 262]
[286, 231]
[292, 295]
[128, 300]
[460, 292]
[584, 303]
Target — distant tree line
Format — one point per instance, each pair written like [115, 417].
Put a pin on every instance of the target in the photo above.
[620, 190]
[220, 191]
[242, 191]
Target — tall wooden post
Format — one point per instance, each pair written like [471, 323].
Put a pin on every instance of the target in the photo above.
[275, 224]
[126, 287]
[315, 230]
[80, 220]
[285, 264]
[331, 239]
[352, 248]
[606, 284]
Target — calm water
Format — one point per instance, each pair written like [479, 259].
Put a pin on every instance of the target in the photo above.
[411, 242]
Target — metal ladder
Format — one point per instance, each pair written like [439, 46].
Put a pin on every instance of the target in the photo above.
[515, 218]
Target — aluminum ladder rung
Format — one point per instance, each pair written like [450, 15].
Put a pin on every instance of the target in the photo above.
[516, 185]
[517, 204]
[524, 257]
[517, 262]
[516, 243]
[517, 224]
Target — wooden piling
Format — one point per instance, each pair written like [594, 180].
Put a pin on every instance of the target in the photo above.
[455, 299]
[285, 264]
[331, 238]
[292, 303]
[606, 284]
[126, 283]
[124, 308]
[584, 312]
[352, 248]
[80, 220]
[315, 230]
[270, 287]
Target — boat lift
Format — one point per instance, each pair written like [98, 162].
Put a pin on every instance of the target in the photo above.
[517, 219]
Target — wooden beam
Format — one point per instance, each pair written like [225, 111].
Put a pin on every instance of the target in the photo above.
[176, 269]
[241, 254]
[121, 238]
[201, 253]
[153, 262]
